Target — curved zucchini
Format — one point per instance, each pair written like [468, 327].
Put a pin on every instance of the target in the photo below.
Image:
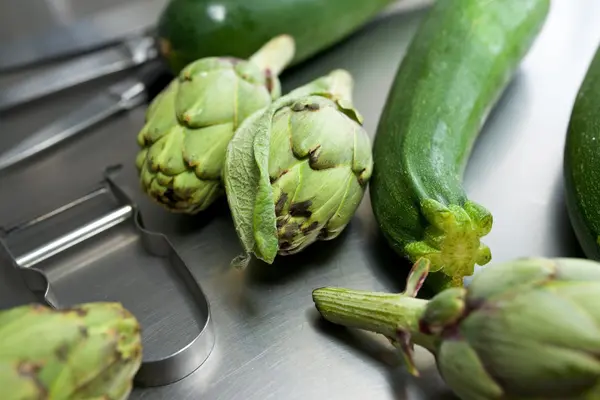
[192, 29]
[459, 62]
[582, 162]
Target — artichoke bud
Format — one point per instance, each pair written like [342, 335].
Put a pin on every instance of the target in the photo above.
[444, 312]
[527, 329]
[89, 351]
[190, 123]
[314, 162]
[317, 182]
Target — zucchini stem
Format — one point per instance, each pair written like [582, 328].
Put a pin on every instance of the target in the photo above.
[452, 240]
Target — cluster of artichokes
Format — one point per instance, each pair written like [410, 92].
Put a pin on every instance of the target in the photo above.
[294, 168]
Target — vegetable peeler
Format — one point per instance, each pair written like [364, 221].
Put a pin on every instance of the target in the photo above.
[92, 275]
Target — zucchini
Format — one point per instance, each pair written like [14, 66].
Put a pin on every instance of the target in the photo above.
[192, 29]
[457, 65]
[581, 165]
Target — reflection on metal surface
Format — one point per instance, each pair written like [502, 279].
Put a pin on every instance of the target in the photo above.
[153, 372]
[61, 10]
[102, 29]
[114, 243]
[271, 342]
[120, 97]
[72, 238]
[131, 53]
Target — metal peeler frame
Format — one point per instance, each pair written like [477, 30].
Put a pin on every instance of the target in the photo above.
[152, 373]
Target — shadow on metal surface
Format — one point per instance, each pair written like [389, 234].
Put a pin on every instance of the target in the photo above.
[287, 268]
[386, 264]
[375, 350]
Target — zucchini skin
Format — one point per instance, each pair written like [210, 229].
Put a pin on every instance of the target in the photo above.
[581, 165]
[458, 64]
[192, 29]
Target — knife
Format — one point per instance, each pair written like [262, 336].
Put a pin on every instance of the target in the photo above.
[132, 52]
[132, 18]
[125, 95]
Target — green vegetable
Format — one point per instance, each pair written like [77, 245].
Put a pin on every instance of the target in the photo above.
[91, 351]
[296, 172]
[192, 29]
[458, 64]
[527, 329]
[189, 124]
[582, 162]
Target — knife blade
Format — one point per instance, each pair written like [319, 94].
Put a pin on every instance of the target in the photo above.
[131, 53]
[102, 29]
[125, 95]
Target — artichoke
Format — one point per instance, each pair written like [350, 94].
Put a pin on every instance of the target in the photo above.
[296, 172]
[91, 351]
[189, 124]
[526, 329]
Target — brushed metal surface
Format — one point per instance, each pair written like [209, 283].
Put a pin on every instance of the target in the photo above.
[120, 97]
[80, 266]
[270, 342]
[77, 36]
[61, 76]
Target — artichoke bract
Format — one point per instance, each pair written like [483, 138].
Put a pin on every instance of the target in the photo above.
[526, 329]
[296, 172]
[90, 351]
[189, 124]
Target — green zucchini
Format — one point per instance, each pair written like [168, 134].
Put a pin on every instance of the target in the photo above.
[192, 29]
[459, 62]
[581, 165]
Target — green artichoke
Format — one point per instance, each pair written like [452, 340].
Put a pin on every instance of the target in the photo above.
[91, 351]
[296, 172]
[189, 124]
[526, 329]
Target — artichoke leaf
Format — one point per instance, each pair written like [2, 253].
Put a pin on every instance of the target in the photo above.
[246, 172]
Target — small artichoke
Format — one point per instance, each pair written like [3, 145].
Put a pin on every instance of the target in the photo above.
[189, 124]
[91, 351]
[296, 172]
[526, 329]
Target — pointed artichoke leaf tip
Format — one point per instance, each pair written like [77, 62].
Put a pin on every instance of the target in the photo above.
[417, 276]
[275, 55]
[241, 261]
[348, 109]
[403, 343]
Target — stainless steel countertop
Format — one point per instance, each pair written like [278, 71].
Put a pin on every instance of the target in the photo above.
[270, 343]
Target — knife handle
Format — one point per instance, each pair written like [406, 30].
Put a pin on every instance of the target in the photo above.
[128, 54]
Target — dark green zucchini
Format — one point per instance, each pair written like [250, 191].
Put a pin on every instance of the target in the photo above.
[459, 62]
[582, 162]
[191, 29]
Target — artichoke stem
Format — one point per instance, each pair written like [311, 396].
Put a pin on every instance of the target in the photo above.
[383, 313]
[275, 55]
[341, 85]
